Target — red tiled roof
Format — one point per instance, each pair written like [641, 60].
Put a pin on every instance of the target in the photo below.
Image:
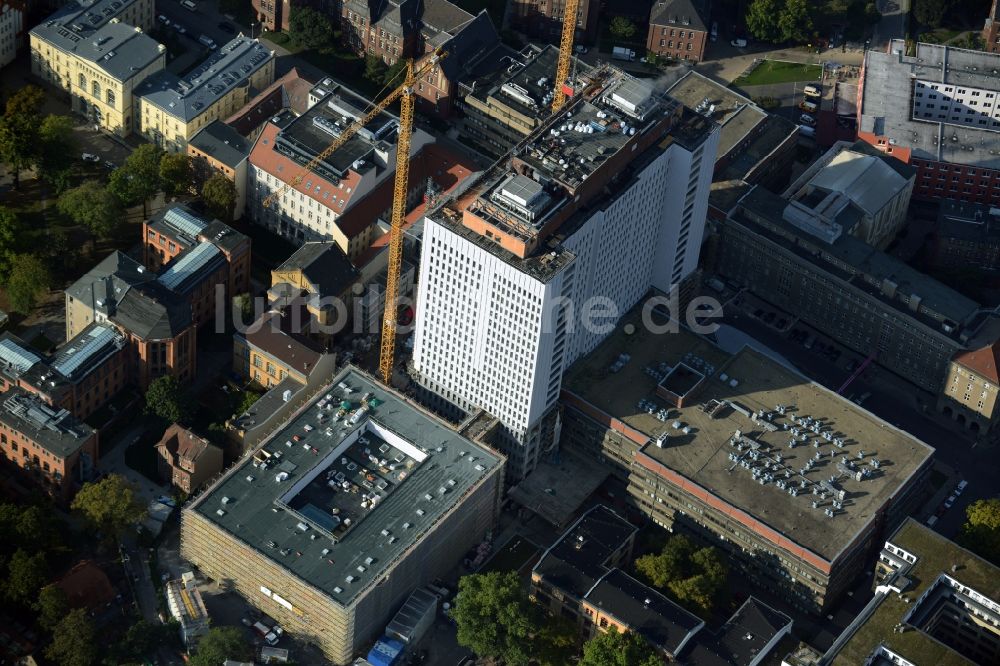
[291, 90]
[86, 586]
[982, 361]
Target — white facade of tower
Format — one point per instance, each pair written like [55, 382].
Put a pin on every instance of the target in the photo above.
[490, 335]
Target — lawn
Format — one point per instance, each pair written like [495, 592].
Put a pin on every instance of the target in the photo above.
[514, 555]
[779, 71]
[939, 36]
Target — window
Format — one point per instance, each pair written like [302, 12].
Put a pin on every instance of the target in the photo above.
[110, 97]
[83, 81]
[95, 89]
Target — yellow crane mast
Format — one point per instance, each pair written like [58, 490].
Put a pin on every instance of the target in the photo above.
[405, 95]
[565, 54]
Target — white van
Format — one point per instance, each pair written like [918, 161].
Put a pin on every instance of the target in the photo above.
[812, 91]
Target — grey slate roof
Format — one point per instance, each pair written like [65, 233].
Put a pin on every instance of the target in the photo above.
[687, 14]
[740, 640]
[221, 142]
[473, 46]
[324, 264]
[222, 71]
[85, 29]
[261, 513]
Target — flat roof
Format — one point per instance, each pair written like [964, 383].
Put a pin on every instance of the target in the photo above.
[740, 640]
[284, 506]
[968, 221]
[188, 97]
[87, 31]
[886, 105]
[936, 555]
[56, 430]
[737, 115]
[703, 454]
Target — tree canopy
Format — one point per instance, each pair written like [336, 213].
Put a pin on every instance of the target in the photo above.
[93, 206]
[780, 20]
[29, 279]
[220, 644]
[26, 574]
[795, 23]
[981, 531]
[110, 505]
[621, 28]
[375, 68]
[692, 576]
[138, 178]
[10, 226]
[219, 195]
[176, 173]
[19, 129]
[74, 640]
[310, 28]
[930, 13]
[51, 606]
[762, 20]
[619, 649]
[167, 399]
[494, 617]
[57, 150]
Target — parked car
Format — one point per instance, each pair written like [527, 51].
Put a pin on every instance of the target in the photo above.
[931, 521]
[90, 157]
[580, 48]
[163, 19]
[809, 107]
[739, 43]
[807, 130]
[950, 501]
[188, 5]
[806, 119]
[108, 164]
[812, 91]
[715, 31]
[960, 488]
[205, 40]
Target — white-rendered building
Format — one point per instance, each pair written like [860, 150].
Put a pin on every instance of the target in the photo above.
[509, 271]
[11, 29]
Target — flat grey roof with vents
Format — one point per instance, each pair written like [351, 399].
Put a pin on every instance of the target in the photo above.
[887, 107]
[55, 429]
[187, 98]
[284, 507]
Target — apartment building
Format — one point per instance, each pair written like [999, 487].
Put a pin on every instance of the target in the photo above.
[503, 107]
[602, 202]
[82, 376]
[863, 298]
[324, 205]
[173, 109]
[97, 52]
[678, 30]
[318, 276]
[935, 603]
[543, 19]
[12, 15]
[219, 148]
[720, 446]
[856, 187]
[936, 110]
[270, 351]
[48, 445]
[754, 145]
[156, 322]
[991, 29]
[185, 460]
[342, 511]
[274, 15]
[969, 391]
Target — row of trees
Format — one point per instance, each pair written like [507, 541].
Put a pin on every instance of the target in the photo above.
[778, 21]
[497, 619]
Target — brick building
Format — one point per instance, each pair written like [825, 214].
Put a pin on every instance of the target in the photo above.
[185, 460]
[219, 148]
[543, 19]
[991, 30]
[967, 238]
[678, 30]
[47, 444]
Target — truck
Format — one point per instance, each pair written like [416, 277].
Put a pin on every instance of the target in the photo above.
[207, 41]
[265, 632]
[622, 53]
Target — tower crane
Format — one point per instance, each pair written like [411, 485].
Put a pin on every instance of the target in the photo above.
[405, 95]
[565, 54]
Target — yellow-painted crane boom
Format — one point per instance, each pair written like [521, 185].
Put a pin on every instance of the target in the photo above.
[565, 54]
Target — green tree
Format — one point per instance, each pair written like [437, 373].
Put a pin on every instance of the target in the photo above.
[110, 505]
[93, 206]
[981, 531]
[25, 576]
[219, 195]
[621, 28]
[690, 575]
[762, 20]
[375, 69]
[29, 280]
[57, 150]
[19, 130]
[930, 13]
[138, 178]
[10, 226]
[310, 28]
[555, 640]
[143, 638]
[389, 78]
[167, 399]
[616, 649]
[51, 606]
[794, 22]
[494, 617]
[220, 644]
[73, 640]
[176, 173]
[247, 401]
